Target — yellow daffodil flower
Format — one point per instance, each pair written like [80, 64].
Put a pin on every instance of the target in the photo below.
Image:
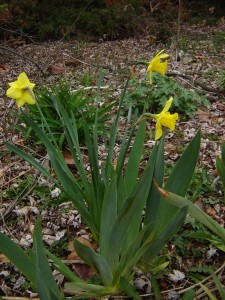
[158, 64]
[21, 90]
[164, 118]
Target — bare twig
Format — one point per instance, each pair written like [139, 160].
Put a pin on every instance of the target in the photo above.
[18, 32]
[85, 63]
[195, 82]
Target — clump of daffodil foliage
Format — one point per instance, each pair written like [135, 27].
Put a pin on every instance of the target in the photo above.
[81, 103]
[110, 197]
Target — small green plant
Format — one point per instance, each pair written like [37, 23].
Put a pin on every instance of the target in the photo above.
[213, 282]
[222, 80]
[87, 79]
[19, 188]
[219, 38]
[201, 184]
[220, 165]
[81, 104]
[152, 98]
[3, 8]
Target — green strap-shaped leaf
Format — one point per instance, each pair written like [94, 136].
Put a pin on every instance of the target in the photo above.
[113, 132]
[45, 279]
[153, 201]
[124, 268]
[156, 240]
[60, 266]
[220, 165]
[32, 161]
[43, 292]
[73, 141]
[223, 152]
[208, 292]
[127, 225]
[156, 288]
[95, 205]
[108, 217]
[65, 176]
[87, 291]
[129, 289]
[95, 261]
[18, 257]
[161, 213]
[180, 178]
[218, 284]
[133, 165]
[124, 148]
[196, 212]
[178, 181]
[140, 194]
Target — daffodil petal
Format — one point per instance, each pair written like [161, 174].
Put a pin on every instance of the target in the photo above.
[23, 79]
[14, 84]
[162, 56]
[31, 86]
[21, 90]
[20, 102]
[160, 67]
[28, 98]
[156, 65]
[14, 93]
[159, 53]
[167, 106]
[169, 120]
[158, 130]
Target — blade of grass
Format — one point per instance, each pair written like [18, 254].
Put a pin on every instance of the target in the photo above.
[218, 285]
[209, 294]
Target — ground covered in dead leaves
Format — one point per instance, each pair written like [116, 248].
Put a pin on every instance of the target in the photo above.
[25, 193]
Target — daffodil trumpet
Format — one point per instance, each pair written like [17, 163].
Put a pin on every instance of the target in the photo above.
[158, 64]
[31, 93]
[163, 119]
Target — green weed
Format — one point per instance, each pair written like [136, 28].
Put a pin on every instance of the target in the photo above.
[222, 80]
[219, 37]
[152, 98]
